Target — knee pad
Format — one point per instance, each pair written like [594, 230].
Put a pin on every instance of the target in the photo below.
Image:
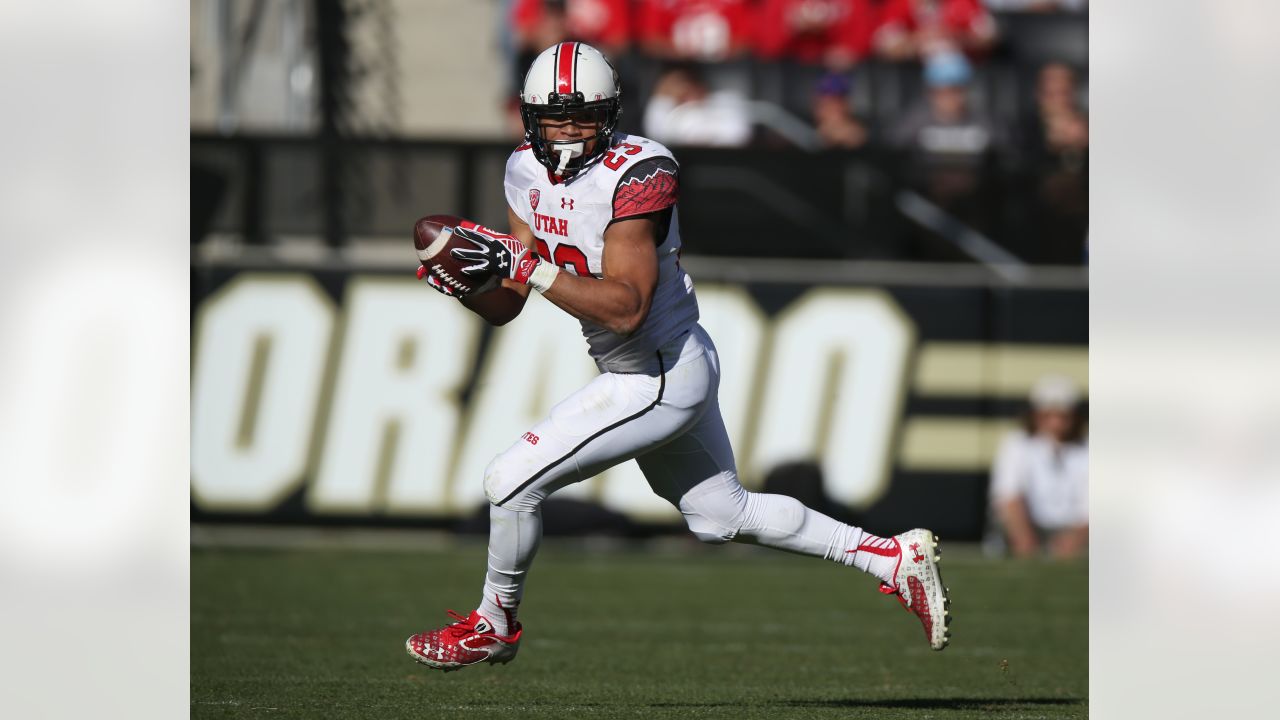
[499, 482]
[709, 531]
[492, 482]
[714, 509]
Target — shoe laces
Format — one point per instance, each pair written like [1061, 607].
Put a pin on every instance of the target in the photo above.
[464, 626]
[888, 589]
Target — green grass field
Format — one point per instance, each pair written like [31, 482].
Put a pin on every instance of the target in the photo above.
[683, 632]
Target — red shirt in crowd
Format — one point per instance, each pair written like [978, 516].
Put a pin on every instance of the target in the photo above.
[695, 29]
[606, 23]
[965, 21]
[810, 30]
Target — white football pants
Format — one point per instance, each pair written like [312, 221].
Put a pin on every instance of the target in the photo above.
[670, 422]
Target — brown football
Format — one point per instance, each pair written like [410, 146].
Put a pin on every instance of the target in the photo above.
[433, 239]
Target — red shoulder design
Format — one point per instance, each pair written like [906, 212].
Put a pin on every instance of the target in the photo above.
[650, 186]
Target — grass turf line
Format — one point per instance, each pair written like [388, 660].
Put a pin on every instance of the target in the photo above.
[320, 633]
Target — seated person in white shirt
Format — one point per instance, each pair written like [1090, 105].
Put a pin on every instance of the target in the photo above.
[683, 110]
[1040, 480]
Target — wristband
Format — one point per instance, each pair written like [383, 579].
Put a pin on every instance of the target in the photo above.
[542, 276]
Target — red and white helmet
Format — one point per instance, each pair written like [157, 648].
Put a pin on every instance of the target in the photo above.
[570, 80]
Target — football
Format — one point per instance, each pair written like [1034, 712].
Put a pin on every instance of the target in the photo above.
[433, 239]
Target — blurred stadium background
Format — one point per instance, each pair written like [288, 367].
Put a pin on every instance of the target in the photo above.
[886, 278]
[884, 207]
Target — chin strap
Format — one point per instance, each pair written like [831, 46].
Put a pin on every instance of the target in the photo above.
[568, 151]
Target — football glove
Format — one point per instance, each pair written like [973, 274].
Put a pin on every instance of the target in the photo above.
[502, 256]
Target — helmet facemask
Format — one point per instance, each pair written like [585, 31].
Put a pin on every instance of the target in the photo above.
[567, 158]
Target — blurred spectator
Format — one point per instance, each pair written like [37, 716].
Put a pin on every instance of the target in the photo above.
[834, 33]
[1040, 480]
[538, 25]
[1037, 5]
[683, 111]
[908, 29]
[1060, 128]
[833, 118]
[1054, 199]
[950, 146]
[945, 125]
[605, 24]
[699, 30]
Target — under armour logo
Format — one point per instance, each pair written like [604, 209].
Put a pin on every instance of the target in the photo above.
[566, 203]
[915, 549]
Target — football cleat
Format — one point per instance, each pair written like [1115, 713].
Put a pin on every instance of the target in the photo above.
[918, 585]
[469, 641]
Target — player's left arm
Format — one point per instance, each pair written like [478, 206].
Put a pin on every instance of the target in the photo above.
[619, 300]
[643, 199]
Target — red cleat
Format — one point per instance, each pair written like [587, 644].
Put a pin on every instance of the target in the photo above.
[469, 641]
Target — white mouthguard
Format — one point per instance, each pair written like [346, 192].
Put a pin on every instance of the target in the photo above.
[568, 151]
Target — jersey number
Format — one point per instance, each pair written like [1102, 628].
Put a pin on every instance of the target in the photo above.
[566, 256]
[614, 161]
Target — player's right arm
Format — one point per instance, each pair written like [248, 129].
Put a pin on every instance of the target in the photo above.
[502, 304]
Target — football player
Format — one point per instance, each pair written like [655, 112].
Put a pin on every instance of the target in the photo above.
[595, 223]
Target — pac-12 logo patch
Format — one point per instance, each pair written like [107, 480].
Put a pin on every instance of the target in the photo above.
[534, 196]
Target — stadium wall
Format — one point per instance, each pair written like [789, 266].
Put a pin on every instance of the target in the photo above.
[264, 190]
[325, 392]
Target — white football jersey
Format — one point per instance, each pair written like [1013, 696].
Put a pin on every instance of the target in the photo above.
[637, 176]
